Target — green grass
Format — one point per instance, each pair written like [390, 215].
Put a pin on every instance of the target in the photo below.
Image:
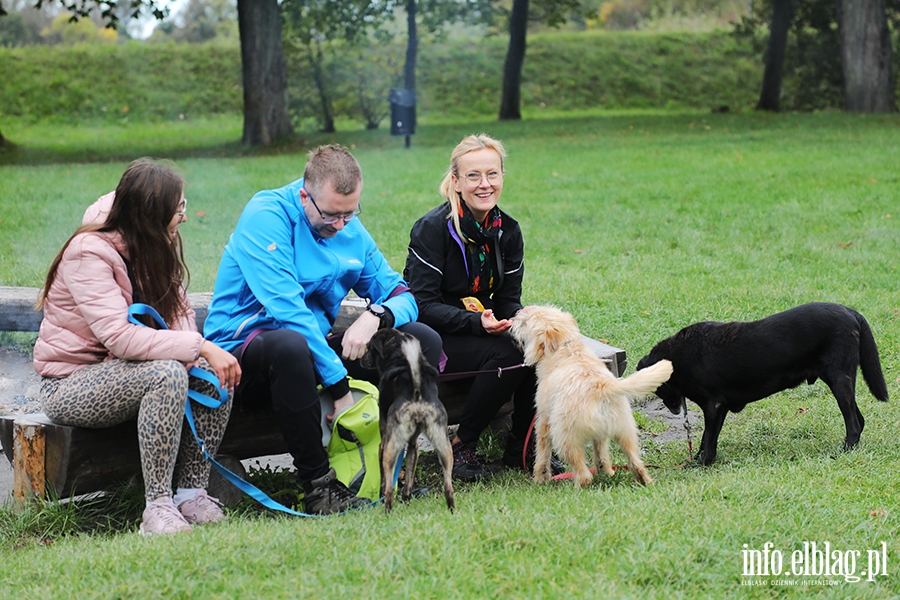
[637, 223]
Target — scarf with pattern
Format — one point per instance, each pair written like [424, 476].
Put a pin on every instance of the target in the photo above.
[478, 236]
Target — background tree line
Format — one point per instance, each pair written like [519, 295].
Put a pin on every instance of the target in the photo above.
[320, 30]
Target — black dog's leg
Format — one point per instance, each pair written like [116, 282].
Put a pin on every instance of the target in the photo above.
[412, 459]
[714, 414]
[844, 390]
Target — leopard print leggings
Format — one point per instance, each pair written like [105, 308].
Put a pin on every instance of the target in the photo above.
[154, 391]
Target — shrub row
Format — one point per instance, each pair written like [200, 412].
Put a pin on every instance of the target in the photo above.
[564, 71]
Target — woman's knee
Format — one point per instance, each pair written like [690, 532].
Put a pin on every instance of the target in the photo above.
[169, 374]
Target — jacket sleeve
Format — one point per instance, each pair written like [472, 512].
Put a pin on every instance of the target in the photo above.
[188, 321]
[429, 251]
[378, 281]
[263, 246]
[508, 297]
[87, 271]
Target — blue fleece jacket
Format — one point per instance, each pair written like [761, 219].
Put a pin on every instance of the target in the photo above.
[277, 272]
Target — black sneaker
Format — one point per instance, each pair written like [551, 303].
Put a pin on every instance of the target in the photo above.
[329, 496]
[465, 464]
[512, 457]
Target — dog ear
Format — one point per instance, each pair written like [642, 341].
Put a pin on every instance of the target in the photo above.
[559, 328]
[374, 352]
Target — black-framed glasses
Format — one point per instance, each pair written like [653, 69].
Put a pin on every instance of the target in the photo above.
[331, 219]
[183, 212]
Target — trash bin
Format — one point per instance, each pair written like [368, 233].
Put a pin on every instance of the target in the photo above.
[403, 111]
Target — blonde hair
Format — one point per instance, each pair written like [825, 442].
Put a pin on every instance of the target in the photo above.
[470, 143]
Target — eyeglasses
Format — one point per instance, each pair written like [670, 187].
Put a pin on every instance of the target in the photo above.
[329, 219]
[475, 177]
[183, 212]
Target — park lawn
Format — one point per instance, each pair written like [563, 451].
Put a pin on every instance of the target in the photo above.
[638, 224]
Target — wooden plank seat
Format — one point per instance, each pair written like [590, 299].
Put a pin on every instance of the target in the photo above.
[69, 460]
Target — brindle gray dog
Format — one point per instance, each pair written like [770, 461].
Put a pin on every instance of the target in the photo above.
[408, 394]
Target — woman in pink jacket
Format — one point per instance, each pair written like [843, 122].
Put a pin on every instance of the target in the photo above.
[99, 369]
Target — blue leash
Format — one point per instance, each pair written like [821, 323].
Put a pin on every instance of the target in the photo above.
[251, 490]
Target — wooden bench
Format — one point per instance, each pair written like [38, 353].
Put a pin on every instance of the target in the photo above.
[69, 460]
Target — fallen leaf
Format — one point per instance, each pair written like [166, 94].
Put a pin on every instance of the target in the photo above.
[201, 213]
[644, 312]
[802, 410]
[845, 244]
[579, 251]
[872, 180]
[878, 512]
[887, 216]
[555, 174]
[603, 340]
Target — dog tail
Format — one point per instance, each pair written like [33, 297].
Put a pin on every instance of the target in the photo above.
[869, 361]
[646, 380]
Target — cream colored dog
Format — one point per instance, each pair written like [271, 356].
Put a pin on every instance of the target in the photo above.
[578, 399]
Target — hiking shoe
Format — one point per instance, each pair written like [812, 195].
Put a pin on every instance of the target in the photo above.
[512, 456]
[202, 509]
[330, 496]
[162, 519]
[465, 464]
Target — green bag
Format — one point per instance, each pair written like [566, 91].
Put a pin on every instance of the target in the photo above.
[354, 439]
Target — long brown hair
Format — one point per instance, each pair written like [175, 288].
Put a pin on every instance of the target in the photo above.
[147, 198]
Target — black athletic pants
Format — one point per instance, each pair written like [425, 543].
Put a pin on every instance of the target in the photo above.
[489, 392]
[278, 371]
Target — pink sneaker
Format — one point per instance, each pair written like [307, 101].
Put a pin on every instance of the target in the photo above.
[163, 519]
[202, 509]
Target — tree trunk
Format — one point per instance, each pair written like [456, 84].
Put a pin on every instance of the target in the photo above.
[866, 56]
[412, 46]
[265, 73]
[515, 58]
[315, 61]
[770, 95]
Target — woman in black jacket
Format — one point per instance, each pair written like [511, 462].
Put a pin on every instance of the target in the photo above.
[465, 267]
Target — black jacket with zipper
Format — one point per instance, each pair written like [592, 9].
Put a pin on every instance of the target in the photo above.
[436, 273]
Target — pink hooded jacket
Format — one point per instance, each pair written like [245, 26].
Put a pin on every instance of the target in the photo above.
[86, 313]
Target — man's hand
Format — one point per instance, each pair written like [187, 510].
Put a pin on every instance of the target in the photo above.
[342, 403]
[492, 325]
[353, 344]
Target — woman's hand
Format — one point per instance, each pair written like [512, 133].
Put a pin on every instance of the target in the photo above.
[492, 325]
[223, 363]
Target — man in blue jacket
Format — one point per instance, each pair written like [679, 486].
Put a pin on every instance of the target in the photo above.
[295, 254]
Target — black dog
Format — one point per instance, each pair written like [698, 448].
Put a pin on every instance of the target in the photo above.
[724, 366]
[408, 394]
